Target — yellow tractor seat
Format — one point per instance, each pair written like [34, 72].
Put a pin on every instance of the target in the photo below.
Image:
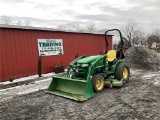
[111, 55]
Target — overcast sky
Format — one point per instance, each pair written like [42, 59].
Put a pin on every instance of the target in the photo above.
[104, 13]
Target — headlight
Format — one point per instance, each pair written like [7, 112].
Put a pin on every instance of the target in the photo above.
[85, 65]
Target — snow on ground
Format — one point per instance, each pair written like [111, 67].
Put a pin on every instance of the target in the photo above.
[41, 86]
[31, 90]
[26, 78]
[9, 93]
[154, 76]
[157, 83]
[151, 75]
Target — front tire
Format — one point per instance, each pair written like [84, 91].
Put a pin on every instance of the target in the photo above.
[98, 83]
[122, 71]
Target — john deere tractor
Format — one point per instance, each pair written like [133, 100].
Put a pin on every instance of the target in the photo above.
[86, 75]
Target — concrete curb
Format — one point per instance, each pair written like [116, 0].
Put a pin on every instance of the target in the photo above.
[19, 83]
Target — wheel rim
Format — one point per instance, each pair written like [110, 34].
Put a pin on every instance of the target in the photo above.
[100, 84]
[125, 73]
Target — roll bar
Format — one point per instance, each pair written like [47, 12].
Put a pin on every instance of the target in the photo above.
[107, 44]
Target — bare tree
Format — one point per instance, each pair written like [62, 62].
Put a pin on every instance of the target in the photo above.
[128, 30]
[91, 27]
[102, 31]
[27, 23]
[61, 27]
[82, 30]
[153, 40]
[76, 27]
[157, 33]
[19, 23]
[6, 20]
[69, 27]
[72, 27]
[138, 37]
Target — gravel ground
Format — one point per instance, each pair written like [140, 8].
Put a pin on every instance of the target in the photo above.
[139, 99]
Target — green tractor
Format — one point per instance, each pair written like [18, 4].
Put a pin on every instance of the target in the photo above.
[86, 75]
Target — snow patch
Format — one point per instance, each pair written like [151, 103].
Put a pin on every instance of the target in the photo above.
[43, 80]
[26, 78]
[48, 74]
[16, 87]
[2, 90]
[157, 83]
[31, 91]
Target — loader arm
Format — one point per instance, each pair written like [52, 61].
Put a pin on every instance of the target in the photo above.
[72, 65]
[99, 63]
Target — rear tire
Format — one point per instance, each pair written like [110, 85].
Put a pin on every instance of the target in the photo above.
[98, 83]
[122, 71]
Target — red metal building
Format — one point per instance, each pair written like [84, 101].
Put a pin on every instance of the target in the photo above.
[19, 49]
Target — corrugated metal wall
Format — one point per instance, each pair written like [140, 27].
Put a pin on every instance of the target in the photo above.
[19, 50]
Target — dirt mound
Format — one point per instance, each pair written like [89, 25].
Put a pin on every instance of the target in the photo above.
[143, 58]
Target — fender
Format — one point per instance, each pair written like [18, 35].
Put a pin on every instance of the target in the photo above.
[117, 62]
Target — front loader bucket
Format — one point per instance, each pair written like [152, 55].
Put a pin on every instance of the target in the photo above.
[78, 90]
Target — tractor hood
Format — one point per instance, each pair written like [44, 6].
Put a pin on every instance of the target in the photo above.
[90, 59]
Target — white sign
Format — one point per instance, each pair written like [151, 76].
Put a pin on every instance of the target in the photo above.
[47, 47]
